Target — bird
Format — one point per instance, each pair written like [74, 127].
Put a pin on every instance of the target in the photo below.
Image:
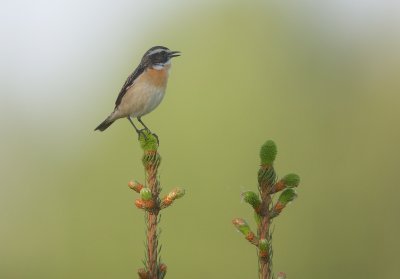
[144, 89]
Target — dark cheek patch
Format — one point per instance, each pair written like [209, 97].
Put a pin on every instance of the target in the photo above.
[160, 58]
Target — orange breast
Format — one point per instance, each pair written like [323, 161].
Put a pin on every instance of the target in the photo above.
[158, 78]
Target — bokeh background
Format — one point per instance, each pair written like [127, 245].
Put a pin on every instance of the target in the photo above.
[321, 78]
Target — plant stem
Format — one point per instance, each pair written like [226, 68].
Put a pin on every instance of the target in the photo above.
[152, 246]
[263, 233]
[151, 162]
[151, 203]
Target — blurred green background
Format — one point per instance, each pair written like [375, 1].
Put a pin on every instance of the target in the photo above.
[321, 78]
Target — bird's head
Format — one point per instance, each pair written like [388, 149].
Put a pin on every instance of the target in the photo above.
[158, 57]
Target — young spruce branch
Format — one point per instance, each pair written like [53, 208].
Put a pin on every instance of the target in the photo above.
[265, 209]
[152, 204]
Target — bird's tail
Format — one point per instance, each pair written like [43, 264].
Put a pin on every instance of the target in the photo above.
[105, 124]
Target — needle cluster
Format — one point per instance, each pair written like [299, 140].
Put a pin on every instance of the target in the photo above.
[266, 207]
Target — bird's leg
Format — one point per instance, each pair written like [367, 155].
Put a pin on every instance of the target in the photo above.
[134, 126]
[136, 129]
[144, 125]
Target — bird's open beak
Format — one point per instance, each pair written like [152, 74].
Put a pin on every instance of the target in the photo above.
[174, 54]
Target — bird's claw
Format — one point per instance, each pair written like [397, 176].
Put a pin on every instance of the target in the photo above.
[155, 135]
[145, 132]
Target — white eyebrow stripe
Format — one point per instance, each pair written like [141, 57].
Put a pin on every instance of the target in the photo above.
[156, 51]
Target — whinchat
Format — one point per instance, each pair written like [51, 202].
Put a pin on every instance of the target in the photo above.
[144, 89]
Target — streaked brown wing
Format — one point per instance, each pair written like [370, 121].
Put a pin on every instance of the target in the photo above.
[129, 81]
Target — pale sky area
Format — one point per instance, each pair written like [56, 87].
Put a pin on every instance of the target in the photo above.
[43, 40]
[52, 51]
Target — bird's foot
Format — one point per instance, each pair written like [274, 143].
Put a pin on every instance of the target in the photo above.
[155, 135]
[149, 132]
[146, 134]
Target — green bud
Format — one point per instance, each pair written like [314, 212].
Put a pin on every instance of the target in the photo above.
[252, 199]
[287, 196]
[176, 193]
[268, 152]
[180, 192]
[291, 180]
[148, 141]
[145, 194]
[241, 225]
